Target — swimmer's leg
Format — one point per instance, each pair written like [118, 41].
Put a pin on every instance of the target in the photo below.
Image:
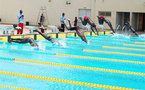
[17, 41]
[93, 30]
[96, 30]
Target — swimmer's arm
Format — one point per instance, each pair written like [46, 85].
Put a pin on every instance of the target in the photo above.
[91, 21]
[109, 24]
[69, 23]
[66, 26]
[42, 34]
[81, 20]
[93, 30]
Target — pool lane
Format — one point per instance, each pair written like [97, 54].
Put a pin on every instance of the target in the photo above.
[97, 77]
[64, 74]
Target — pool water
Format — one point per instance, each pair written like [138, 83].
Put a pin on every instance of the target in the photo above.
[106, 62]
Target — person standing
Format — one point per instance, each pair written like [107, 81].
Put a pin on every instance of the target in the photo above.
[75, 21]
[21, 22]
[42, 18]
[62, 21]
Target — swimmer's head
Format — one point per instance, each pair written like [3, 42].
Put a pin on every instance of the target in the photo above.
[101, 16]
[86, 17]
[77, 28]
[21, 11]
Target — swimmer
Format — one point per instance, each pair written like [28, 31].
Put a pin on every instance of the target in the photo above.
[47, 37]
[78, 31]
[102, 19]
[86, 21]
[131, 28]
[23, 41]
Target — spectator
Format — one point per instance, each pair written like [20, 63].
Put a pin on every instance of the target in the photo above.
[62, 21]
[21, 22]
[42, 19]
[75, 21]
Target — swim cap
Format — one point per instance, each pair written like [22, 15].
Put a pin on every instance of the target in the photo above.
[77, 28]
[102, 16]
[28, 39]
[86, 17]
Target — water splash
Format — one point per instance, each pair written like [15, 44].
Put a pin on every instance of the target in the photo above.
[62, 42]
[89, 41]
[41, 45]
[121, 35]
[142, 35]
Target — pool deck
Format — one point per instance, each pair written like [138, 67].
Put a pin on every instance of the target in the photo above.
[28, 30]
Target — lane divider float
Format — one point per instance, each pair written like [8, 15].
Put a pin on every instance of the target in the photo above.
[133, 45]
[81, 67]
[105, 59]
[65, 81]
[123, 48]
[113, 52]
[140, 42]
[2, 86]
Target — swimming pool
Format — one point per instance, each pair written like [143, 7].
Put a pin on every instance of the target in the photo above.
[106, 62]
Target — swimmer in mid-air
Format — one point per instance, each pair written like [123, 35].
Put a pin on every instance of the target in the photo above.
[86, 21]
[23, 41]
[47, 37]
[78, 31]
[131, 28]
[102, 19]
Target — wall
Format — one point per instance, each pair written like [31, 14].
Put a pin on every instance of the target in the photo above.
[10, 8]
[119, 6]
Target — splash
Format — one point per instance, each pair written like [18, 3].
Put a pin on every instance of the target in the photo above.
[62, 42]
[89, 41]
[121, 35]
[142, 35]
[41, 46]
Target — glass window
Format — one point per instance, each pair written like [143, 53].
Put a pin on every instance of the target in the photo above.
[108, 14]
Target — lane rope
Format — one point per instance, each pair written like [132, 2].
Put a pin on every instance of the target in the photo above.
[134, 45]
[82, 67]
[105, 59]
[113, 52]
[64, 81]
[2, 86]
[123, 48]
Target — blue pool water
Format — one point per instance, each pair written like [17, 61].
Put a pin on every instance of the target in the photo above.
[128, 49]
[1, 28]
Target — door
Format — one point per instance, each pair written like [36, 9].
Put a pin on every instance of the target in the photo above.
[141, 21]
[83, 13]
[143, 26]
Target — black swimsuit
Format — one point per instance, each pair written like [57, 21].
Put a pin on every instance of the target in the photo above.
[101, 21]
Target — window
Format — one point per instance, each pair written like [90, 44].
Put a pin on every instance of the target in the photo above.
[108, 14]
